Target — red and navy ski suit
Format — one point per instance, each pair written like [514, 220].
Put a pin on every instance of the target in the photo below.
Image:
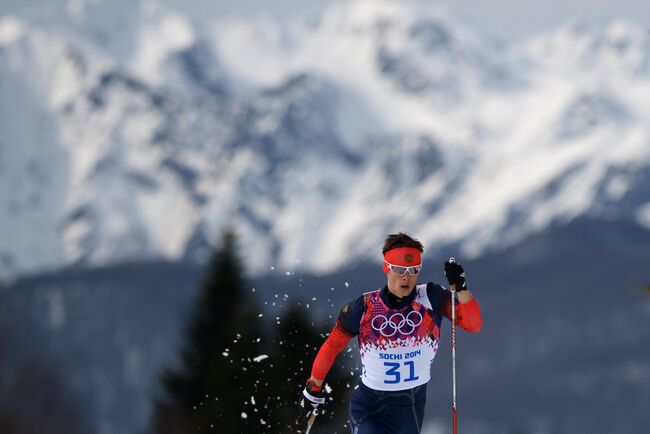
[398, 339]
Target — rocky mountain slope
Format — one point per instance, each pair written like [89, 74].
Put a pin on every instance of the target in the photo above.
[314, 138]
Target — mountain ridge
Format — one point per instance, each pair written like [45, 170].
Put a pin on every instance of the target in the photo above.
[314, 139]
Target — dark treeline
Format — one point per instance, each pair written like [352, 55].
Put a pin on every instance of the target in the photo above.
[237, 374]
[35, 396]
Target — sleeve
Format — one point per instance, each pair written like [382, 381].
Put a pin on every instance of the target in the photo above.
[333, 345]
[468, 315]
[346, 327]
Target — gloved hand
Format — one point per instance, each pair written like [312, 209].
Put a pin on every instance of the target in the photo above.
[311, 400]
[455, 274]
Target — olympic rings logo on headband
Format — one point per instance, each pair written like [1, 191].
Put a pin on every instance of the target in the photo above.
[397, 323]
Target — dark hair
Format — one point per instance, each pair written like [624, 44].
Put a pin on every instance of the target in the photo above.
[401, 240]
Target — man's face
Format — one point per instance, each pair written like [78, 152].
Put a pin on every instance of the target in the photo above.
[401, 286]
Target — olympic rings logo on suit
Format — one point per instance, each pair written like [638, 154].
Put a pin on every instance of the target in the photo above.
[390, 326]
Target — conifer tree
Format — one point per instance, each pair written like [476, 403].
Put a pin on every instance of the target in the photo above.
[295, 345]
[238, 375]
[213, 386]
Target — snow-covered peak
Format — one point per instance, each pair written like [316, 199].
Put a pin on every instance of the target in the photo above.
[11, 29]
[621, 47]
[163, 33]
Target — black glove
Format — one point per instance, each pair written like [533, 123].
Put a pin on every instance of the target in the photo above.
[455, 274]
[310, 400]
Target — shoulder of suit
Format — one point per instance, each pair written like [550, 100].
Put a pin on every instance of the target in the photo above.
[355, 306]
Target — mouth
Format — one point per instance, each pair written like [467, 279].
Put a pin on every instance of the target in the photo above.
[404, 286]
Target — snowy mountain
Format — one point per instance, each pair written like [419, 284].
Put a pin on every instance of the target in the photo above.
[130, 136]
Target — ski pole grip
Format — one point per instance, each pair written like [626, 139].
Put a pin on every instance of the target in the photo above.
[311, 420]
[452, 287]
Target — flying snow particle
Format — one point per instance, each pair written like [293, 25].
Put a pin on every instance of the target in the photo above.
[347, 285]
[260, 358]
[328, 389]
[253, 400]
[244, 415]
[225, 353]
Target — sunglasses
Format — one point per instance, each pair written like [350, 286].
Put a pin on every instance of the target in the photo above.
[400, 270]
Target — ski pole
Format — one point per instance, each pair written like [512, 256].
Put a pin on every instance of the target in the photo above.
[311, 420]
[453, 353]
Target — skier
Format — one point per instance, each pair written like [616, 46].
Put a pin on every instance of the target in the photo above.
[398, 328]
